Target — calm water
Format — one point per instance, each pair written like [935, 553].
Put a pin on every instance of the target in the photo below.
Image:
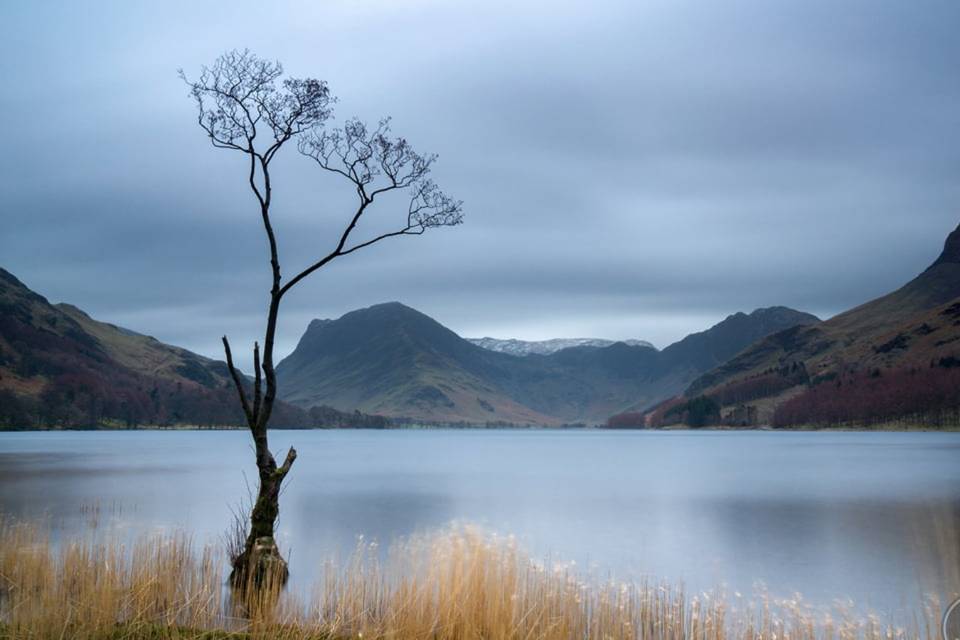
[829, 515]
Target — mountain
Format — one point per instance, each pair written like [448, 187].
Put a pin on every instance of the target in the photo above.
[393, 360]
[517, 347]
[61, 368]
[705, 350]
[857, 362]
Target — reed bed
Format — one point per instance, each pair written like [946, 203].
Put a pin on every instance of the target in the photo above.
[459, 584]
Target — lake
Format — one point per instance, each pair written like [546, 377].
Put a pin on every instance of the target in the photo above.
[829, 515]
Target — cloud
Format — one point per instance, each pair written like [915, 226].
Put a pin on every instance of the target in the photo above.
[629, 169]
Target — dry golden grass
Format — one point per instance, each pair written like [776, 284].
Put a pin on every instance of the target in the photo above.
[458, 585]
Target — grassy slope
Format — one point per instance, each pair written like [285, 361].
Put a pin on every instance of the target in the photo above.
[45, 347]
[147, 355]
[33, 324]
[911, 326]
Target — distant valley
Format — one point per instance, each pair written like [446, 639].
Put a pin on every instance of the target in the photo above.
[545, 347]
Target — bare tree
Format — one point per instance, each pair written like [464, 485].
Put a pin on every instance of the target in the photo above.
[244, 104]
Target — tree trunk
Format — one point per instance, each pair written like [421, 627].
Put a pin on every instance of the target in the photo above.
[261, 562]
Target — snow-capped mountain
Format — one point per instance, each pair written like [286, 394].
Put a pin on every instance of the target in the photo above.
[545, 347]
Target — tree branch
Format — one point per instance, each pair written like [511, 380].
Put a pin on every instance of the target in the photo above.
[408, 231]
[237, 382]
[333, 254]
[287, 463]
[256, 381]
[362, 155]
[252, 176]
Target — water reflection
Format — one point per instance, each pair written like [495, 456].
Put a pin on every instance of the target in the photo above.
[831, 515]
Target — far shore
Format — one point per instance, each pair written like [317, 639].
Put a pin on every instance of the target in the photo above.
[886, 427]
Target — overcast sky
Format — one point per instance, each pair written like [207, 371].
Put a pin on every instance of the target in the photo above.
[629, 169]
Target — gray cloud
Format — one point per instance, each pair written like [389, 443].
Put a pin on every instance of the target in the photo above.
[629, 169]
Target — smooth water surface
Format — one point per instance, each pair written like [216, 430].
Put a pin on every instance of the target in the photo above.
[830, 515]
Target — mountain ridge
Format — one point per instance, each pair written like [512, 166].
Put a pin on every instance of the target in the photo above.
[917, 325]
[394, 360]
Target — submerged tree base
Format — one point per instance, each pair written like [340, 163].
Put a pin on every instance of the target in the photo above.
[457, 584]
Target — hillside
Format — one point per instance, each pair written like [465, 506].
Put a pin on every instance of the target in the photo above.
[61, 368]
[707, 349]
[893, 337]
[393, 360]
[148, 356]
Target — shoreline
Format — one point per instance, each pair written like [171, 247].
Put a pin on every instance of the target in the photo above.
[453, 582]
[885, 428]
